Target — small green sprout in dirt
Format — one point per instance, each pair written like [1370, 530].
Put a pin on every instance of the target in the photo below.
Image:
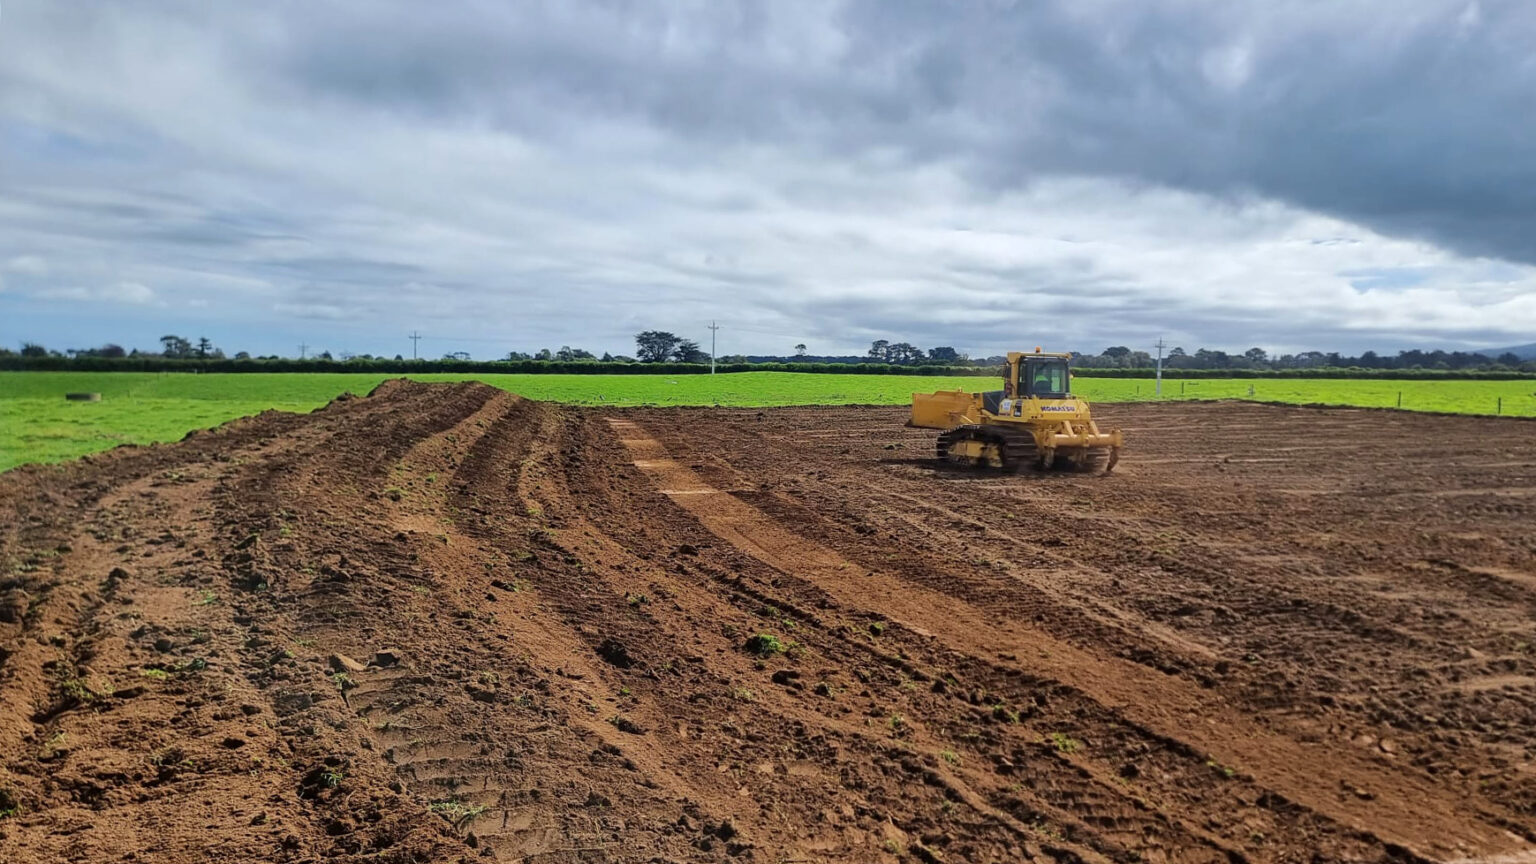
[489, 678]
[456, 811]
[744, 694]
[332, 778]
[344, 682]
[894, 847]
[1065, 743]
[1003, 714]
[9, 806]
[897, 722]
[534, 511]
[77, 690]
[950, 756]
[877, 628]
[394, 493]
[53, 745]
[155, 674]
[1046, 830]
[207, 597]
[947, 806]
[1224, 770]
[764, 645]
[170, 757]
[624, 691]
[637, 600]
[421, 589]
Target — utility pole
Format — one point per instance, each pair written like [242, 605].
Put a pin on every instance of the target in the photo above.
[302, 348]
[712, 328]
[1159, 365]
[414, 338]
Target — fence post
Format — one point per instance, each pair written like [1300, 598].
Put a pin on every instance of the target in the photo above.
[1399, 398]
[1501, 406]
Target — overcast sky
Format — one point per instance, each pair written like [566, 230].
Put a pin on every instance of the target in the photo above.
[989, 175]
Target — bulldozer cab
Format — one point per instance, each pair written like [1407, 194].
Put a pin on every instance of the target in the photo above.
[1044, 376]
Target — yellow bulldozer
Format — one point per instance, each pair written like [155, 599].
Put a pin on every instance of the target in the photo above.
[1034, 421]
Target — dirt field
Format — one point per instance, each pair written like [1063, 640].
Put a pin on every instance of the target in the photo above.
[442, 623]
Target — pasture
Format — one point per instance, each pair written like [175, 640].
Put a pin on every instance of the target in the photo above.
[37, 425]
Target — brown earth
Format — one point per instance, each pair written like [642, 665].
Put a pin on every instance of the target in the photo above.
[442, 623]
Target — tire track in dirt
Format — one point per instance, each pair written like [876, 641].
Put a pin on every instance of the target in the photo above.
[1322, 658]
[1125, 687]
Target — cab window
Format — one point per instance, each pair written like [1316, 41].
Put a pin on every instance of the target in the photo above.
[1045, 379]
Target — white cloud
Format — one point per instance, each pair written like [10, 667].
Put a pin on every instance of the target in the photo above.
[30, 265]
[127, 293]
[322, 311]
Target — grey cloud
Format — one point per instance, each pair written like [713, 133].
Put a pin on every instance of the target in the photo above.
[565, 171]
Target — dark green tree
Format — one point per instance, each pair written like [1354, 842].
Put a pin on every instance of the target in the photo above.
[655, 346]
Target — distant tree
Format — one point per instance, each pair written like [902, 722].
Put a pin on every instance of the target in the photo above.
[606, 358]
[655, 346]
[324, 355]
[943, 354]
[455, 355]
[32, 349]
[543, 354]
[176, 347]
[1509, 358]
[800, 350]
[880, 350]
[623, 358]
[1256, 356]
[518, 355]
[904, 353]
[687, 351]
[566, 354]
[242, 355]
[399, 358]
[204, 347]
[1117, 351]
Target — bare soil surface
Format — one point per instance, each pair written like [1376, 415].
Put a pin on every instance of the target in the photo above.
[443, 623]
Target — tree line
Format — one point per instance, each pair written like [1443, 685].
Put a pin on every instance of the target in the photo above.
[655, 348]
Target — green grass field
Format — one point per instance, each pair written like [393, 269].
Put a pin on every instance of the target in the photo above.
[37, 425]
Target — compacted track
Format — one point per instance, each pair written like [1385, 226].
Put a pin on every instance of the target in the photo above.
[445, 623]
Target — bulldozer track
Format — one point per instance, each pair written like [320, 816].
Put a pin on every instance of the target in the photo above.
[1017, 445]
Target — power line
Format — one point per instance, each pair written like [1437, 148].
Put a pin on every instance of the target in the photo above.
[712, 328]
[415, 337]
[302, 348]
[1159, 365]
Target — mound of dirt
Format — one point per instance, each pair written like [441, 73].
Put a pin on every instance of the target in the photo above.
[444, 623]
